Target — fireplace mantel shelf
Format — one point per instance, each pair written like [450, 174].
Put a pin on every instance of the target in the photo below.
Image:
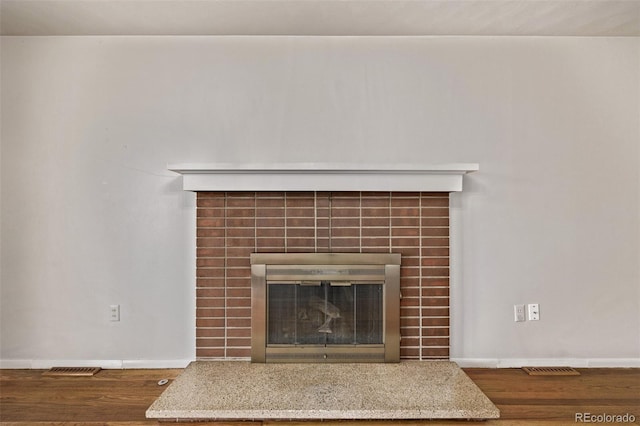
[323, 177]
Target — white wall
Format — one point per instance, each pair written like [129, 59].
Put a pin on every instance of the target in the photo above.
[91, 217]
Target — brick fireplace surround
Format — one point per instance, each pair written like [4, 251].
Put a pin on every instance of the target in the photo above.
[232, 225]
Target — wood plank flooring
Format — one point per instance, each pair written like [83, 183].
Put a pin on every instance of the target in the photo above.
[121, 397]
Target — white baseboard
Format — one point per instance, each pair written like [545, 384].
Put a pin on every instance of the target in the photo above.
[43, 364]
[547, 362]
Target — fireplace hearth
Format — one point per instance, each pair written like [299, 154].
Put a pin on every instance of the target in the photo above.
[325, 307]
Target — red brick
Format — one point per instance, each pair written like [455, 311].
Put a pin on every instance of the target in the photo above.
[241, 212]
[300, 212]
[409, 301]
[368, 202]
[209, 322]
[435, 352]
[435, 301]
[340, 212]
[210, 292]
[337, 223]
[375, 212]
[435, 272]
[239, 251]
[209, 313]
[210, 342]
[209, 213]
[210, 302]
[238, 322]
[238, 312]
[345, 232]
[239, 282]
[434, 331]
[241, 232]
[203, 353]
[239, 302]
[234, 222]
[435, 232]
[300, 222]
[405, 232]
[210, 202]
[398, 212]
[435, 261]
[435, 202]
[431, 322]
[270, 194]
[375, 242]
[435, 341]
[239, 292]
[409, 353]
[405, 242]
[300, 202]
[210, 332]
[240, 242]
[435, 311]
[210, 282]
[434, 221]
[435, 212]
[235, 342]
[210, 262]
[435, 251]
[210, 242]
[435, 291]
[436, 282]
[374, 221]
[269, 212]
[210, 272]
[238, 352]
[210, 222]
[235, 202]
[239, 332]
[346, 203]
[255, 222]
[210, 252]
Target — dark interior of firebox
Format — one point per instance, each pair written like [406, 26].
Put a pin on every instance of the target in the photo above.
[324, 313]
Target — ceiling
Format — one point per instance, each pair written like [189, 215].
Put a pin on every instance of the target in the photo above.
[321, 17]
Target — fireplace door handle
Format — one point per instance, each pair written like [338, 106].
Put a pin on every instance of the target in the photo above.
[340, 283]
[311, 283]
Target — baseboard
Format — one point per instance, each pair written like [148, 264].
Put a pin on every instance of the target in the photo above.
[546, 362]
[43, 364]
[462, 362]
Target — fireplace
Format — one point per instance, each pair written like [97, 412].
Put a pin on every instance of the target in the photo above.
[244, 209]
[325, 307]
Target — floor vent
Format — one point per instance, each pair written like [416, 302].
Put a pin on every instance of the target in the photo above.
[551, 371]
[72, 371]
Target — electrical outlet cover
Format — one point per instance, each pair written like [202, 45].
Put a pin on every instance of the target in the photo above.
[518, 313]
[114, 312]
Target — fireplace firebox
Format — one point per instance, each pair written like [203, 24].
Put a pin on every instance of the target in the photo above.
[325, 307]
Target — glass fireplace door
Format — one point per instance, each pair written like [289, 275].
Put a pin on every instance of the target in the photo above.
[325, 307]
[324, 313]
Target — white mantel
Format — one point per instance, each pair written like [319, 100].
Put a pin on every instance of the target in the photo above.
[323, 176]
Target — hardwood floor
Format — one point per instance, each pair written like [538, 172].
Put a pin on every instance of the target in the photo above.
[121, 397]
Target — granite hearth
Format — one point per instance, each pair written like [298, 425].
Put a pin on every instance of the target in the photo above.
[239, 390]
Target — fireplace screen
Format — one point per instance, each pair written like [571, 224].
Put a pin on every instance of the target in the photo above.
[324, 313]
[325, 307]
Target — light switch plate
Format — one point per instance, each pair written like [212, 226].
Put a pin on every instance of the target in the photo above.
[534, 312]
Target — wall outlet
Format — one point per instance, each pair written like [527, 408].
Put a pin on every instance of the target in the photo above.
[534, 312]
[114, 312]
[518, 313]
